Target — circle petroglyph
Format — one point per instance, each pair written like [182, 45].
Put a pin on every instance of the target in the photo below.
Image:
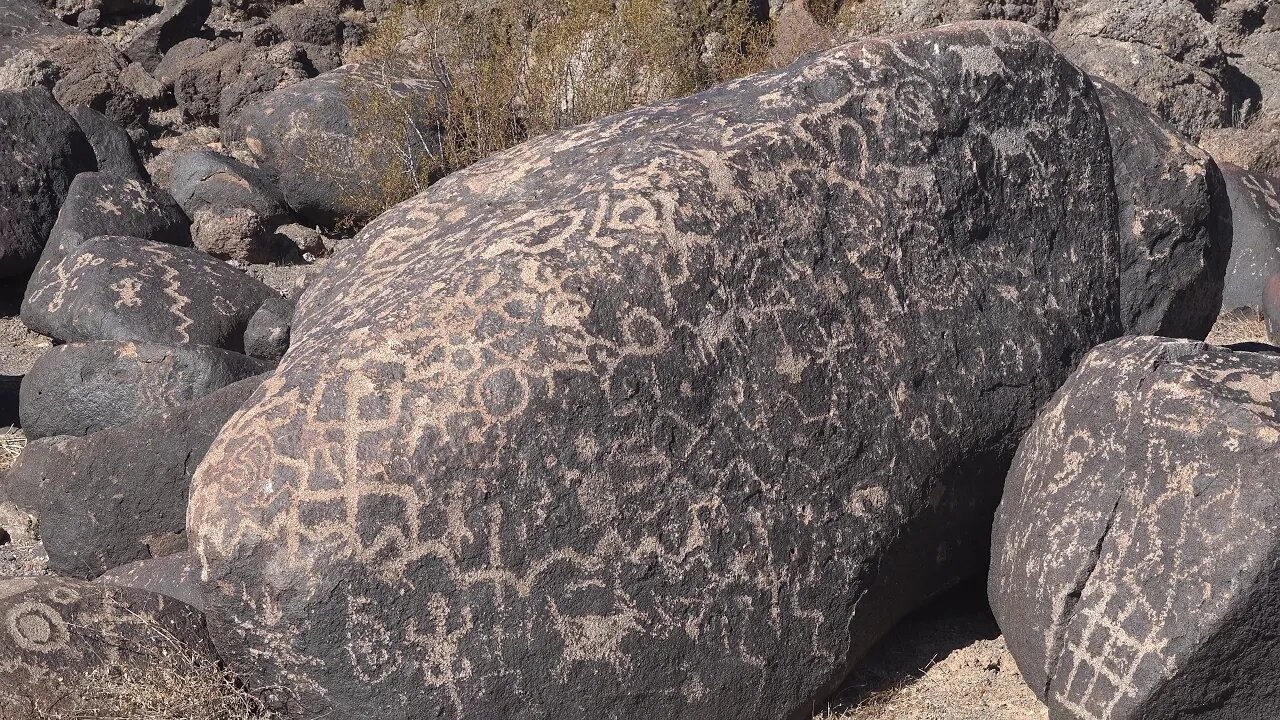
[37, 627]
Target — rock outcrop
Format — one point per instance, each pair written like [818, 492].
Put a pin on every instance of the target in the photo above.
[1255, 240]
[1135, 551]
[672, 414]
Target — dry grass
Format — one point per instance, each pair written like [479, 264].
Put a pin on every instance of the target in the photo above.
[11, 445]
[1238, 326]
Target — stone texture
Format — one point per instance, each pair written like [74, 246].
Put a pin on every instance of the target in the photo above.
[1255, 241]
[82, 388]
[1134, 560]
[1271, 309]
[179, 20]
[121, 288]
[176, 576]
[112, 146]
[1175, 221]
[237, 234]
[670, 415]
[922, 14]
[99, 204]
[307, 136]
[267, 335]
[44, 150]
[1252, 150]
[59, 633]
[206, 180]
[213, 88]
[119, 495]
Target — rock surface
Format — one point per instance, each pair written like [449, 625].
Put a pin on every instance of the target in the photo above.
[1255, 240]
[205, 180]
[176, 576]
[111, 144]
[1134, 553]
[59, 633]
[119, 495]
[179, 20]
[44, 151]
[630, 419]
[267, 335]
[120, 288]
[82, 388]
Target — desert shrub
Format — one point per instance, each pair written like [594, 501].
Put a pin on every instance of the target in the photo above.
[511, 70]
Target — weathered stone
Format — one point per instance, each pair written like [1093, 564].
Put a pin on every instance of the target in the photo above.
[206, 180]
[121, 288]
[308, 23]
[267, 336]
[119, 495]
[1271, 309]
[61, 636]
[214, 87]
[922, 14]
[44, 150]
[329, 142]
[1250, 33]
[179, 20]
[1134, 554]
[1175, 213]
[112, 146]
[1255, 239]
[176, 58]
[237, 234]
[1252, 150]
[99, 204]
[672, 414]
[82, 388]
[176, 576]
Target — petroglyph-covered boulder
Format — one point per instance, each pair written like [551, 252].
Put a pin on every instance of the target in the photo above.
[1134, 559]
[100, 204]
[1175, 222]
[59, 636]
[206, 180]
[332, 143]
[119, 495]
[43, 151]
[176, 576]
[672, 414]
[1255, 239]
[82, 388]
[121, 288]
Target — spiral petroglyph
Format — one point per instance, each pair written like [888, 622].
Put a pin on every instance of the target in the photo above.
[672, 414]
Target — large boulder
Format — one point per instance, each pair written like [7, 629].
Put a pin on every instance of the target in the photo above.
[123, 288]
[99, 204]
[342, 145]
[82, 388]
[1255, 251]
[119, 495]
[922, 14]
[672, 414]
[111, 144]
[1175, 221]
[205, 180]
[62, 637]
[1134, 554]
[44, 150]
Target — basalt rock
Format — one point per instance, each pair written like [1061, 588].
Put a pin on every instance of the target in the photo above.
[44, 151]
[672, 414]
[1135, 553]
[82, 388]
[111, 144]
[61, 635]
[122, 288]
[179, 20]
[119, 495]
[1255, 251]
[206, 180]
[267, 336]
[176, 576]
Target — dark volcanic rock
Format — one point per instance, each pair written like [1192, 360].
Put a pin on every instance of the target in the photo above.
[177, 58]
[112, 146]
[267, 336]
[99, 204]
[60, 635]
[119, 495]
[121, 288]
[179, 20]
[1255, 251]
[1270, 309]
[1134, 560]
[333, 143]
[1175, 221]
[214, 87]
[670, 415]
[82, 388]
[203, 180]
[176, 576]
[44, 149]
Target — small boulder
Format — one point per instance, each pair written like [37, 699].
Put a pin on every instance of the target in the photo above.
[1255, 240]
[204, 180]
[119, 495]
[1254, 150]
[44, 150]
[121, 288]
[112, 146]
[214, 87]
[237, 234]
[179, 20]
[168, 69]
[176, 576]
[63, 640]
[82, 388]
[267, 336]
[1134, 553]
[310, 23]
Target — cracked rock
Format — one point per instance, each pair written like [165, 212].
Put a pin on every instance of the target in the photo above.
[1134, 558]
